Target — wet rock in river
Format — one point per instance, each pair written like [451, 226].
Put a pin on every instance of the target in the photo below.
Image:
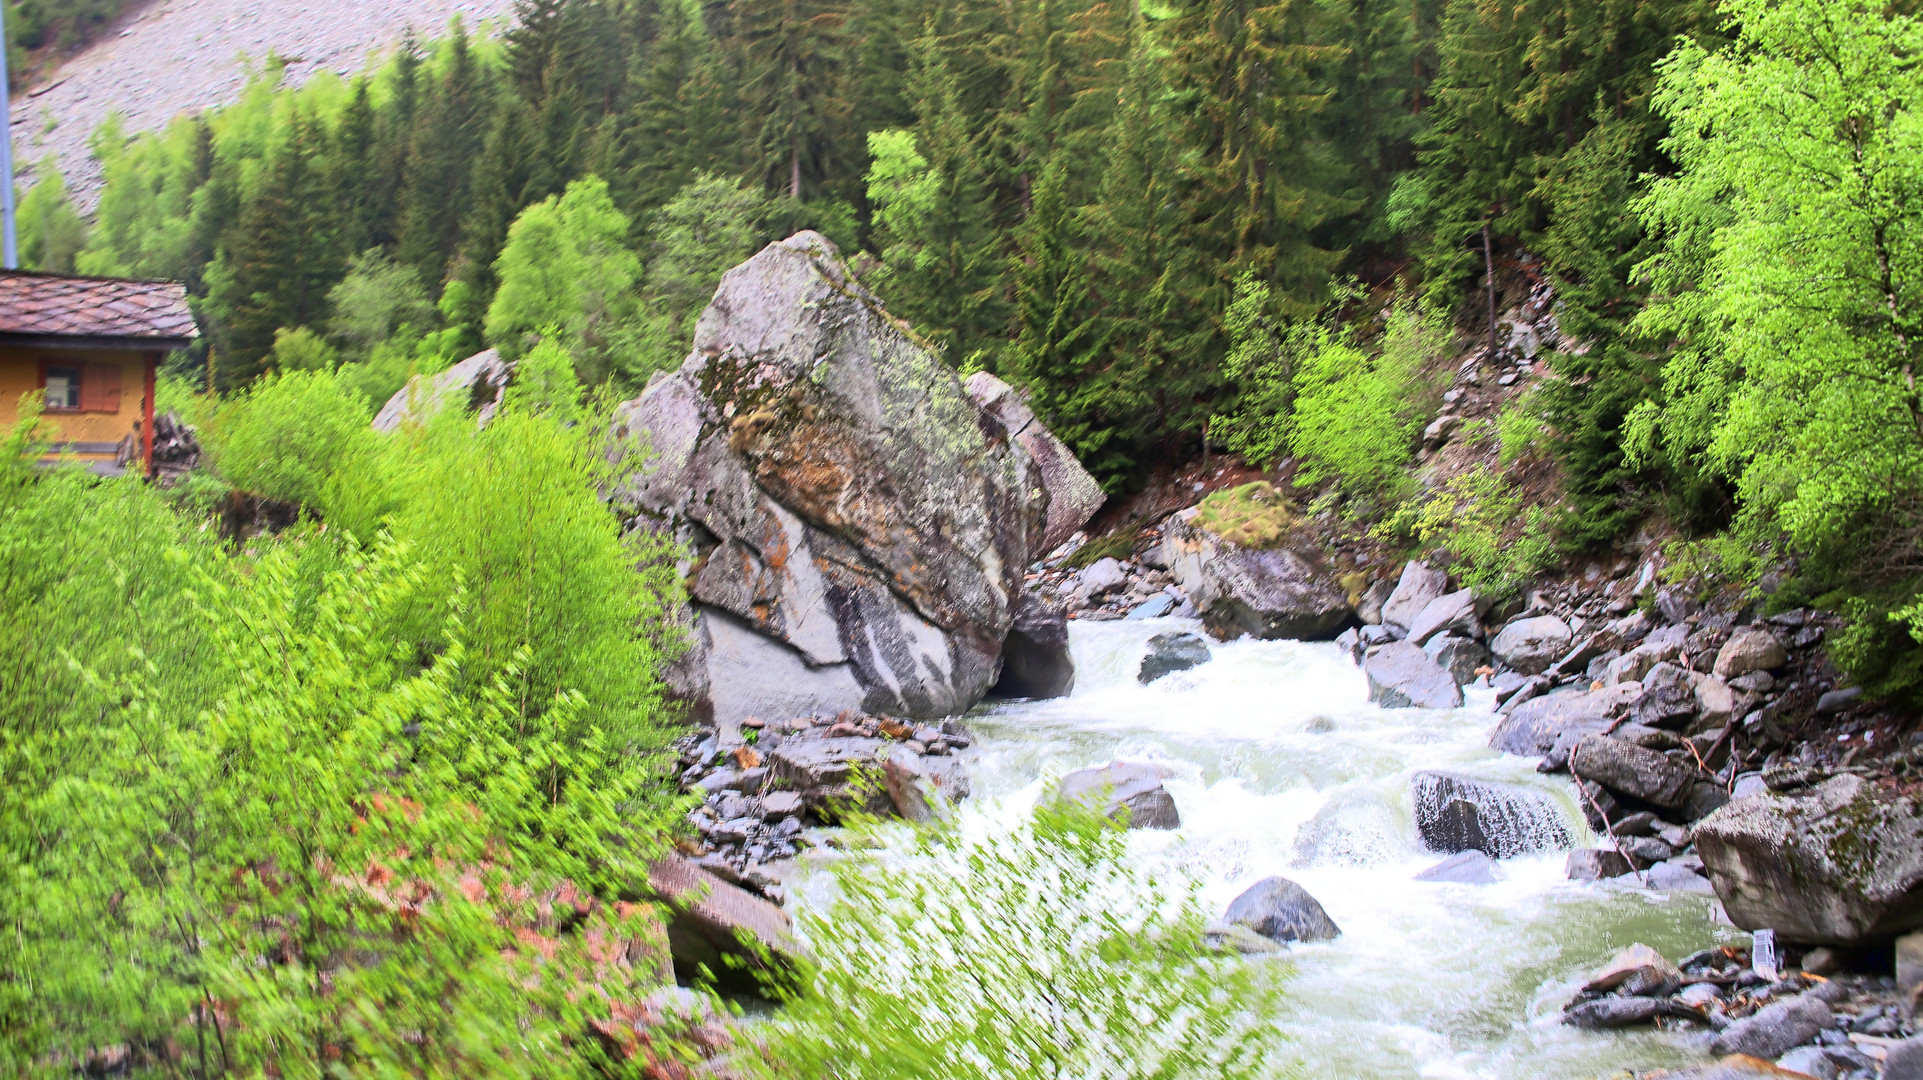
[1453, 613]
[1456, 813]
[1402, 676]
[1035, 656]
[1463, 868]
[1459, 656]
[1417, 588]
[1281, 910]
[1550, 726]
[1638, 970]
[1531, 645]
[1127, 789]
[1171, 652]
[1775, 1028]
[1595, 864]
[1628, 769]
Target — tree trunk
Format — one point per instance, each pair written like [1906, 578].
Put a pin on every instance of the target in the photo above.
[794, 174]
[1489, 264]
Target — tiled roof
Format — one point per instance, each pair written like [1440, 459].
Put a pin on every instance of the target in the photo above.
[52, 305]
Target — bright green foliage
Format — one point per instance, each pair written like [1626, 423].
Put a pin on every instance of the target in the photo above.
[1028, 950]
[376, 298]
[301, 349]
[1056, 331]
[1494, 541]
[1355, 420]
[287, 436]
[706, 229]
[567, 266]
[1265, 349]
[51, 231]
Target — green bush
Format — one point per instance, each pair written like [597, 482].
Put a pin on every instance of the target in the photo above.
[288, 436]
[1494, 542]
[1027, 951]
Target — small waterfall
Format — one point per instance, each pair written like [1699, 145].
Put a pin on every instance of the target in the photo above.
[1285, 767]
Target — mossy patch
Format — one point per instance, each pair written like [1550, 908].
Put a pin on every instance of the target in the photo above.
[1116, 545]
[1254, 515]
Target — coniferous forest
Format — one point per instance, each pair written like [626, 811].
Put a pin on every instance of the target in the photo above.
[1269, 230]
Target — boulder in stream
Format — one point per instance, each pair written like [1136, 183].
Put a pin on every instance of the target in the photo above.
[1418, 586]
[858, 525]
[1463, 868]
[1171, 652]
[1131, 789]
[1531, 645]
[1035, 657]
[1273, 592]
[1838, 864]
[1281, 910]
[1402, 676]
[1455, 813]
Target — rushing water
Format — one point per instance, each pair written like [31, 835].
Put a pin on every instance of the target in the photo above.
[1286, 768]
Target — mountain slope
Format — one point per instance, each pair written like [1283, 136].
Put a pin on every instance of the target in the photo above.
[181, 56]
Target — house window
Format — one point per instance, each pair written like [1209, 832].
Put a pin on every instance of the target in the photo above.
[63, 388]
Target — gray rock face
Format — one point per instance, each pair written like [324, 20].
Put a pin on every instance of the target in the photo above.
[1774, 1029]
[1269, 593]
[1418, 586]
[475, 383]
[1125, 788]
[1531, 645]
[1073, 495]
[1456, 813]
[711, 917]
[1035, 657]
[858, 525]
[1459, 656]
[1628, 769]
[823, 772]
[1839, 864]
[1281, 910]
[1550, 726]
[1905, 1060]
[1402, 676]
[1454, 613]
[1171, 652]
[1750, 649]
[1595, 864]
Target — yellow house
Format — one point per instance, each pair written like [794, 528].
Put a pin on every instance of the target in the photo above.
[93, 345]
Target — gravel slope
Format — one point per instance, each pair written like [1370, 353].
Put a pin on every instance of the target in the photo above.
[181, 56]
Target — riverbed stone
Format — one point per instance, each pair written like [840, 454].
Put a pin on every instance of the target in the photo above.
[1125, 789]
[1171, 652]
[709, 919]
[1415, 590]
[1751, 648]
[1638, 970]
[1531, 645]
[1457, 813]
[1837, 864]
[1035, 656]
[1459, 656]
[1281, 910]
[1451, 613]
[1628, 769]
[1775, 1028]
[1550, 726]
[1402, 676]
[1281, 592]
[1595, 864]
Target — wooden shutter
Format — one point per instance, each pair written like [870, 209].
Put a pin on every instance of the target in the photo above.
[100, 387]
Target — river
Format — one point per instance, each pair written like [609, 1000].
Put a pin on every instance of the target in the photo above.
[1287, 768]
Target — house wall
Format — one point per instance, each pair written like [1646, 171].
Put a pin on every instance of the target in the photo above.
[91, 432]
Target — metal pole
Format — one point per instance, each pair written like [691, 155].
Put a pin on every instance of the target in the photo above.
[9, 243]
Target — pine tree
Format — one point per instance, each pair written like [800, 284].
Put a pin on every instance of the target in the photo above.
[791, 56]
[680, 118]
[444, 144]
[1058, 336]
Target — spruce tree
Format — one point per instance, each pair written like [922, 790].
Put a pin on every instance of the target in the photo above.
[792, 56]
[443, 146]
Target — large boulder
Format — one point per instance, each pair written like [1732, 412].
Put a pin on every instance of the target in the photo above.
[1838, 864]
[1417, 588]
[857, 525]
[1456, 813]
[1775, 1028]
[1281, 910]
[1276, 592]
[1402, 676]
[719, 928]
[1035, 659]
[1128, 791]
[1073, 495]
[475, 384]
[1550, 726]
[1454, 613]
[1635, 771]
[1750, 649]
[1531, 645]
[1461, 657]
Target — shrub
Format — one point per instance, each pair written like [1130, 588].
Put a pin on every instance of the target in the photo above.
[288, 435]
[1024, 951]
[1495, 543]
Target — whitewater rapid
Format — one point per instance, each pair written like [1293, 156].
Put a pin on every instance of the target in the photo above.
[1287, 768]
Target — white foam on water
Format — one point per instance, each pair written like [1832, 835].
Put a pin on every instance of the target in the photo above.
[1428, 979]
